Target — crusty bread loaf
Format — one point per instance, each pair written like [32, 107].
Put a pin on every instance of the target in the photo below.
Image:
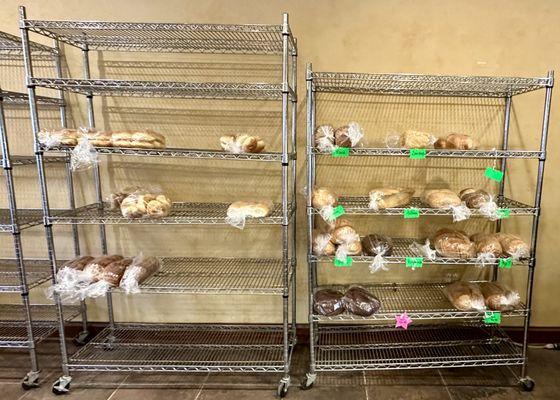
[412, 139]
[242, 143]
[474, 198]
[513, 245]
[328, 302]
[95, 267]
[97, 138]
[322, 245]
[452, 243]
[487, 244]
[359, 301]
[249, 209]
[498, 297]
[442, 144]
[113, 272]
[345, 235]
[461, 141]
[465, 296]
[390, 197]
[441, 198]
[78, 263]
[373, 245]
[341, 137]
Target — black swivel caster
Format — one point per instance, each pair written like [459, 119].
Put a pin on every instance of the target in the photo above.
[527, 384]
[81, 339]
[31, 381]
[308, 381]
[283, 387]
[62, 385]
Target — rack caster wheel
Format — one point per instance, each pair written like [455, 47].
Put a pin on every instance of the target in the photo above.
[31, 381]
[527, 384]
[82, 338]
[308, 381]
[62, 385]
[283, 387]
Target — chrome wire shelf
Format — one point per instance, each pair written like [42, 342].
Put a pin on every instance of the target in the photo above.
[183, 348]
[217, 275]
[182, 153]
[36, 272]
[420, 301]
[27, 218]
[184, 90]
[181, 213]
[440, 153]
[359, 205]
[165, 37]
[17, 98]
[426, 85]
[30, 160]
[11, 44]
[342, 349]
[13, 331]
[401, 250]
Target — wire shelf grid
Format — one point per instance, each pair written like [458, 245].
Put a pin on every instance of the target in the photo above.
[27, 218]
[440, 153]
[36, 272]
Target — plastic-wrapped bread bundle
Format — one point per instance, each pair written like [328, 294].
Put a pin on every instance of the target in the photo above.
[324, 138]
[115, 199]
[324, 200]
[411, 139]
[83, 156]
[239, 211]
[145, 203]
[498, 297]
[328, 302]
[107, 277]
[451, 243]
[465, 296]
[95, 267]
[458, 141]
[513, 246]
[61, 137]
[348, 135]
[382, 198]
[488, 248]
[137, 272]
[348, 242]
[242, 144]
[481, 200]
[359, 301]
[445, 199]
[377, 246]
[338, 223]
[424, 250]
[78, 263]
[322, 244]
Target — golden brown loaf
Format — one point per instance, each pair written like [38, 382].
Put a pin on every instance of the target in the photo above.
[465, 296]
[498, 297]
[412, 139]
[461, 141]
[113, 272]
[97, 138]
[322, 245]
[487, 244]
[513, 245]
[242, 143]
[78, 263]
[138, 205]
[96, 266]
[452, 243]
[65, 136]
[323, 197]
[474, 198]
[441, 198]
[391, 197]
[249, 209]
[345, 235]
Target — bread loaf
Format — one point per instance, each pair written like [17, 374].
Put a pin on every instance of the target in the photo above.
[113, 272]
[381, 198]
[513, 245]
[498, 297]
[451, 243]
[328, 302]
[137, 272]
[461, 141]
[474, 198]
[249, 209]
[324, 137]
[373, 245]
[487, 244]
[465, 296]
[322, 245]
[323, 197]
[341, 138]
[96, 266]
[359, 301]
[78, 263]
[62, 137]
[441, 198]
[412, 139]
[345, 235]
[242, 144]
[147, 139]
[121, 139]
[140, 205]
[353, 248]
[442, 144]
[97, 138]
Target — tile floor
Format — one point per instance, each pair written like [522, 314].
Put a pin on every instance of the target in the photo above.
[445, 384]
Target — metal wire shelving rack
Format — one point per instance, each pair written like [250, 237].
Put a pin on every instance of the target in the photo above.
[352, 343]
[24, 325]
[144, 347]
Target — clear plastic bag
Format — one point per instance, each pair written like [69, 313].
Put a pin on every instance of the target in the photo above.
[348, 242]
[498, 297]
[460, 212]
[355, 133]
[424, 250]
[378, 246]
[83, 156]
[322, 244]
[141, 268]
[69, 284]
[242, 144]
[465, 296]
[452, 243]
[513, 246]
[239, 211]
[359, 301]
[144, 203]
[328, 302]
[490, 210]
[410, 139]
[324, 200]
[324, 138]
[61, 137]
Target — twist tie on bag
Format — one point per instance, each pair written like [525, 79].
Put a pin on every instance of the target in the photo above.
[460, 212]
[379, 262]
[423, 250]
[83, 156]
[490, 210]
[374, 198]
[355, 133]
[484, 259]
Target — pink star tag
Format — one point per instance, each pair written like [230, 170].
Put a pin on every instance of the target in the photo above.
[403, 320]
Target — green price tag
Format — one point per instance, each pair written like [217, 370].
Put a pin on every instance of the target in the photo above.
[414, 262]
[410, 213]
[505, 263]
[338, 211]
[503, 213]
[341, 152]
[417, 154]
[492, 317]
[494, 174]
[345, 263]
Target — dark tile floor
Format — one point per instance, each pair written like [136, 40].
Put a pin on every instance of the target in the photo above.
[445, 384]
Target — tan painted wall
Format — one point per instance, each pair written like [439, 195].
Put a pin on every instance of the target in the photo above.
[509, 37]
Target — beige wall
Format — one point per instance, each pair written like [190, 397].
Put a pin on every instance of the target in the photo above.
[512, 37]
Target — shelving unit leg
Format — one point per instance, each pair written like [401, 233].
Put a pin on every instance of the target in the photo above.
[293, 197]
[63, 384]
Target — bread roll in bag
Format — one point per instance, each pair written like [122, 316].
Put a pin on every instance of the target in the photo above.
[465, 296]
[498, 297]
[487, 244]
[453, 244]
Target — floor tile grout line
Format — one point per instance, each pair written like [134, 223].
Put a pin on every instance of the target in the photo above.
[445, 385]
[118, 387]
[202, 387]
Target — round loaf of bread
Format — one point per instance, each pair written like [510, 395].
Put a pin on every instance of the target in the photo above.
[487, 244]
[374, 244]
[442, 144]
[323, 197]
[451, 243]
[391, 197]
[441, 198]
[345, 235]
[461, 141]
[341, 138]
[475, 199]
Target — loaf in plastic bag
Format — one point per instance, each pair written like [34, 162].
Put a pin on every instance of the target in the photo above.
[328, 302]
[145, 203]
[378, 246]
[445, 199]
[322, 244]
[411, 139]
[239, 211]
[481, 200]
[452, 243]
[359, 301]
[458, 141]
[141, 139]
[106, 278]
[498, 297]
[381, 198]
[138, 271]
[60, 137]
[465, 296]
[97, 138]
[83, 156]
[242, 144]
[324, 138]
[423, 250]
[348, 242]
[324, 200]
[348, 135]
[513, 246]
[488, 248]
[95, 267]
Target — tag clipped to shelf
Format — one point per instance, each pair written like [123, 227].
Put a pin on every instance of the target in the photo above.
[341, 152]
[505, 263]
[417, 154]
[503, 213]
[494, 174]
[492, 317]
[414, 262]
[411, 213]
[345, 263]
[338, 211]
